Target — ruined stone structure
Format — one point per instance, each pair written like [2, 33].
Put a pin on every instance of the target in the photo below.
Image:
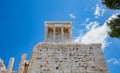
[58, 54]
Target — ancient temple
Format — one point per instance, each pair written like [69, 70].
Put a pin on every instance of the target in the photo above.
[58, 54]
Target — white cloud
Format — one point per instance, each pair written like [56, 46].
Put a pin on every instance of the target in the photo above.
[72, 15]
[114, 61]
[92, 25]
[102, 12]
[99, 11]
[87, 20]
[96, 35]
[78, 39]
[113, 16]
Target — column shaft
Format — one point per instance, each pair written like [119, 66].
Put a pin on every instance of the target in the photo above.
[46, 33]
[22, 63]
[54, 33]
[10, 66]
[70, 34]
[62, 33]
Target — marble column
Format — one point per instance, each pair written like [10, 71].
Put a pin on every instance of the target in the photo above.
[54, 33]
[46, 33]
[22, 63]
[10, 66]
[62, 33]
[70, 34]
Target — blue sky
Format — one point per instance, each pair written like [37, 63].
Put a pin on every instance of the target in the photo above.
[22, 26]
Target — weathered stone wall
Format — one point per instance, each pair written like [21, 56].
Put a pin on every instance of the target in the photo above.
[67, 58]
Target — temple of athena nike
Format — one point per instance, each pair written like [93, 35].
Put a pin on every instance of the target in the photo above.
[59, 54]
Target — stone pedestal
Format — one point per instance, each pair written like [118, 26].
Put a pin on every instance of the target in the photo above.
[67, 58]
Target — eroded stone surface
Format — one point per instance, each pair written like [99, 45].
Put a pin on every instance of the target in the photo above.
[67, 58]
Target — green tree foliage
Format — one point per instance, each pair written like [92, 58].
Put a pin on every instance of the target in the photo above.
[114, 25]
[112, 4]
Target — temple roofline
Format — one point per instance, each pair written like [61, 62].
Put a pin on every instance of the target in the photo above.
[58, 22]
